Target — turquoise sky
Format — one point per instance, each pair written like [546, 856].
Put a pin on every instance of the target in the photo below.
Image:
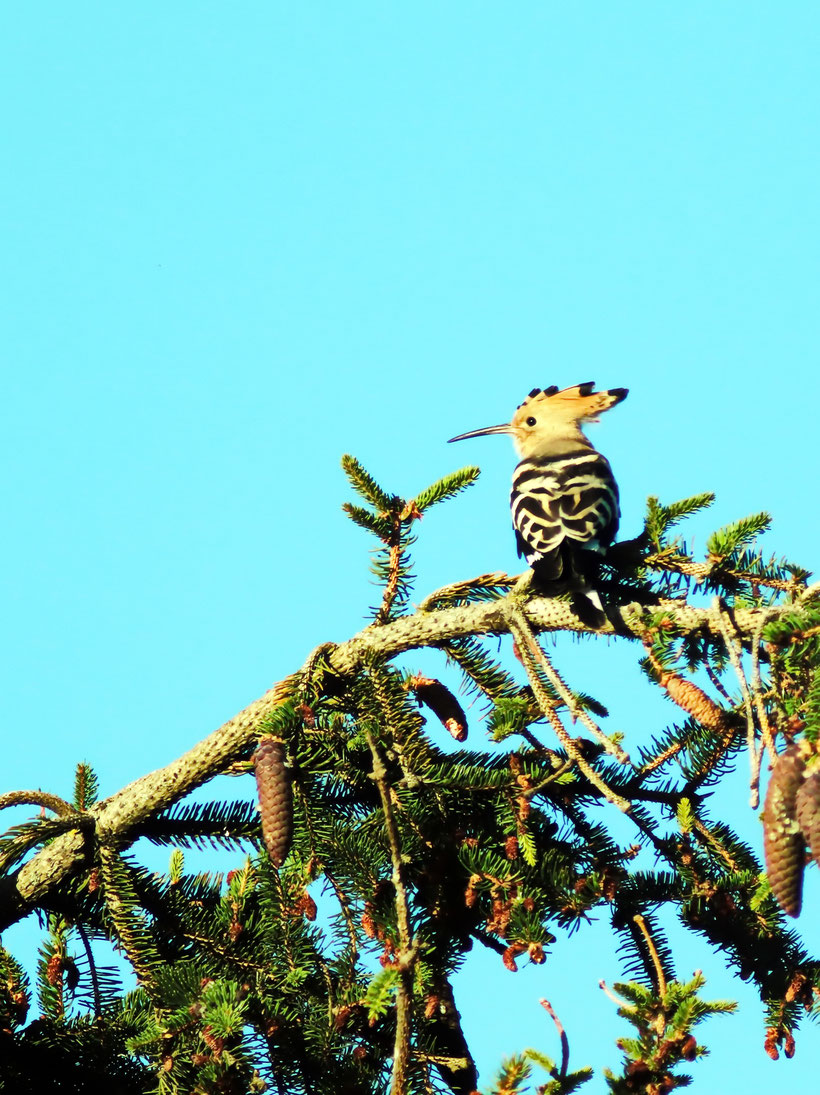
[240, 240]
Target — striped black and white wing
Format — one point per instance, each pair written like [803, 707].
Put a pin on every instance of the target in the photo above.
[569, 499]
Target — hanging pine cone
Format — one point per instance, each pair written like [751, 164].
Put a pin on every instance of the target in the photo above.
[807, 811]
[783, 843]
[441, 702]
[275, 798]
[693, 700]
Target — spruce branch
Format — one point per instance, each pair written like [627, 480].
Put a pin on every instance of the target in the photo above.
[130, 928]
[120, 814]
[43, 799]
[92, 970]
[363, 482]
[436, 847]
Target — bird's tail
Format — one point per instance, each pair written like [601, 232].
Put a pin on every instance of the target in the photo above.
[568, 569]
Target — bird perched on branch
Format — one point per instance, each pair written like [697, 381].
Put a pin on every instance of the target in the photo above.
[564, 498]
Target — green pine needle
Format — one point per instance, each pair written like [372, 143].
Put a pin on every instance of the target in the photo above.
[365, 485]
[447, 487]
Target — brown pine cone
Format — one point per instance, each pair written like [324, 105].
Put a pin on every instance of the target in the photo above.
[783, 843]
[693, 700]
[275, 798]
[442, 703]
[807, 811]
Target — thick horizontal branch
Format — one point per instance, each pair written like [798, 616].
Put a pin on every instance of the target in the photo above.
[118, 817]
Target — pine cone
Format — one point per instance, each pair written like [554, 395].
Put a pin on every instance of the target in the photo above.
[693, 700]
[783, 843]
[807, 811]
[442, 703]
[275, 798]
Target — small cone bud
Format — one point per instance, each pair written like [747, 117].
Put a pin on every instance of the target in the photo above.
[442, 703]
[54, 969]
[275, 798]
[783, 843]
[510, 954]
[807, 812]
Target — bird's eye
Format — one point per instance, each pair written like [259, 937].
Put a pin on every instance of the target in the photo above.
[530, 421]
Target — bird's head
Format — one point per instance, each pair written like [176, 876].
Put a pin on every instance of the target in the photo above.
[550, 422]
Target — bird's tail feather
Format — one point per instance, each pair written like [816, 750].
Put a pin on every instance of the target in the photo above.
[568, 570]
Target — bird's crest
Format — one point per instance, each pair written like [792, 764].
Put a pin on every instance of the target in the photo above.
[580, 403]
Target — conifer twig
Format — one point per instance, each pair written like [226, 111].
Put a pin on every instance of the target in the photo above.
[454, 589]
[397, 518]
[662, 757]
[562, 1034]
[701, 571]
[92, 970]
[123, 918]
[757, 692]
[710, 838]
[653, 952]
[751, 744]
[561, 770]
[608, 992]
[44, 799]
[407, 951]
[520, 630]
[344, 905]
[392, 586]
[717, 682]
[575, 711]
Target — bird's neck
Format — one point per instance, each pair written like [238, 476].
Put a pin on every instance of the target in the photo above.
[547, 448]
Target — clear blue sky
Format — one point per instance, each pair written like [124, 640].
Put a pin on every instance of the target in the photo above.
[242, 240]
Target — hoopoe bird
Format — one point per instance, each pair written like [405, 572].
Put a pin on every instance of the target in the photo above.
[564, 497]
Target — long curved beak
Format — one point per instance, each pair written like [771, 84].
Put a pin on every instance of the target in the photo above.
[505, 428]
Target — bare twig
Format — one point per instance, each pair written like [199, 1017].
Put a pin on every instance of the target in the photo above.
[562, 1034]
[527, 646]
[615, 999]
[577, 712]
[717, 682]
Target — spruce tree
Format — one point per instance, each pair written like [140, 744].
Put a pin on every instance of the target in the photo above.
[419, 848]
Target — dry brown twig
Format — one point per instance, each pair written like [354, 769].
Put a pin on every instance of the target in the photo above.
[562, 1034]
